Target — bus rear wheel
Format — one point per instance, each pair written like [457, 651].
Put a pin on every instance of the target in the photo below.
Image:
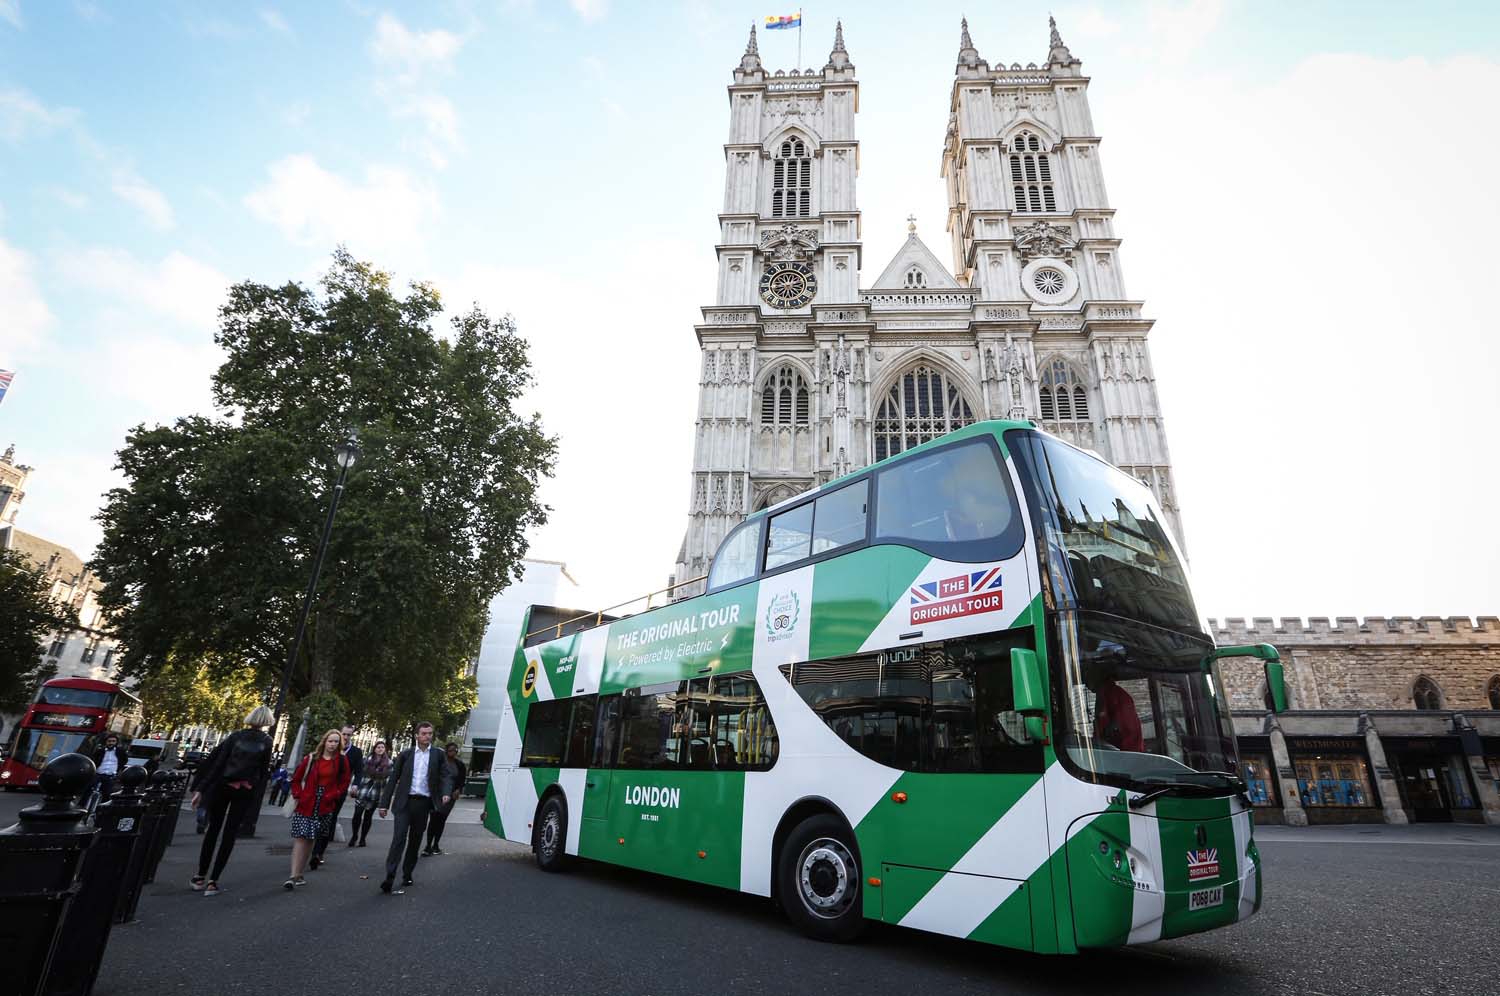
[818, 879]
[550, 844]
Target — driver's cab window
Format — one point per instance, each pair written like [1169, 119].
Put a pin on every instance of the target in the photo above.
[735, 560]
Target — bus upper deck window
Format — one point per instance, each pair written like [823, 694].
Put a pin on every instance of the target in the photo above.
[735, 560]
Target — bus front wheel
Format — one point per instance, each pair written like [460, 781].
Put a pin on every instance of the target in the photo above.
[818, 879]
[551, 835]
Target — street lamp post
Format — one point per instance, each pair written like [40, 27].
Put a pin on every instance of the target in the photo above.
[345, 454]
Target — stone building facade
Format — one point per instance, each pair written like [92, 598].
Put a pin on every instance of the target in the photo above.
[1391, 720]
[13, 478]
[807, 374]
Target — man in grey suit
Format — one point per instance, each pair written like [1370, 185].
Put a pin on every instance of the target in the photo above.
[419, 782]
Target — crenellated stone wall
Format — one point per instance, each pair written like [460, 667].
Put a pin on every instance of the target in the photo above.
[1373, 663]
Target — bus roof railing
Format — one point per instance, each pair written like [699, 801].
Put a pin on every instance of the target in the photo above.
[608, 614]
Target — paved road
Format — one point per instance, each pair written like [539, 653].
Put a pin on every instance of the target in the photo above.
[1348, 911]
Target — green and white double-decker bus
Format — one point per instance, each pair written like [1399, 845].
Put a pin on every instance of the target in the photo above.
[964, 690]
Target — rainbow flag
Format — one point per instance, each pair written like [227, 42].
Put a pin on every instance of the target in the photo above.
[5, 378]
[774, 23]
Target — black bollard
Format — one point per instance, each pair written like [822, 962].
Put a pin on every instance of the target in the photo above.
[178, 787]
[40, 859]
[164, 807]
[140, 856]
[134, 878]
[87, 923]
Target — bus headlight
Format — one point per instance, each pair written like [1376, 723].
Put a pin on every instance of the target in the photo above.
[4, 774]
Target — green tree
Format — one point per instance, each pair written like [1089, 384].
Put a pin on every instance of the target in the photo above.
[208, 547]
[28, 616]
[185, 691]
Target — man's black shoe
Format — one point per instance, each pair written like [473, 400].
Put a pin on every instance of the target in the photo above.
[405, 882]
[385, 886]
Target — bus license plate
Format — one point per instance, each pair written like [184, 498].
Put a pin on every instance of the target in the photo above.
[1206, 898]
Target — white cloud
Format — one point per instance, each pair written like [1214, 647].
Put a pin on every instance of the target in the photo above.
[1178, 29]
[414, 53]
[135, 191]
[24, 315]
[177, 286]
[10, 10]
[20, 112]
[590, 10]
[312, 206]
[72, 198]
[273, 20]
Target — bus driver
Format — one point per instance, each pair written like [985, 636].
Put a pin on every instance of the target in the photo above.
[1116, 720]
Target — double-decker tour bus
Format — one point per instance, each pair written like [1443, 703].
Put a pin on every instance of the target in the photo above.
[964, 689]
[69, 714]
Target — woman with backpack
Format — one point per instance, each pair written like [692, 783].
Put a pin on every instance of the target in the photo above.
[367, 799]
[226, 784]
[319, 782]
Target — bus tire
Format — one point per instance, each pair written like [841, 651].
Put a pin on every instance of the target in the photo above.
[818, 878]
[551, 844]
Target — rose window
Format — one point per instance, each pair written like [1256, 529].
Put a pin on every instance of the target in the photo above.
[1048, 281]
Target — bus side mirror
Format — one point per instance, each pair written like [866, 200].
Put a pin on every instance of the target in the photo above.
[1027, 683]
[1276, 685]
[1275, 675]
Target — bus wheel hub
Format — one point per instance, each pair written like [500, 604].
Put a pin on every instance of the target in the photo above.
[825, 874]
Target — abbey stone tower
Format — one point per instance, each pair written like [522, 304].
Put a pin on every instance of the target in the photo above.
[807, 375]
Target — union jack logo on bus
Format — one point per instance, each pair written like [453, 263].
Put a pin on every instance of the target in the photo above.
[960, 595]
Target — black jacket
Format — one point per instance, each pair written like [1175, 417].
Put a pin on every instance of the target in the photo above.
[398, 785]
[122, 757]
[244, 755]
[356, 759]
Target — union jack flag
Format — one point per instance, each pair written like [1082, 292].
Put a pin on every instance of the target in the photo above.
[972, 583]
[5, 378]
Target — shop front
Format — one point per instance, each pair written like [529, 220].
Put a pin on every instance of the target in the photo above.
[1333, 778]
[1433, 776]
[1258, 768]
[1491, 747]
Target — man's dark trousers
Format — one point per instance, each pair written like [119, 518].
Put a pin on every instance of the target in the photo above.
[411, 823]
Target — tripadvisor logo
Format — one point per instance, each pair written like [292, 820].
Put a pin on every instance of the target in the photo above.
[781, 616]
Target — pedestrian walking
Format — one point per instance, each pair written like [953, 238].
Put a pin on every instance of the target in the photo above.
[109, 760]
[356, 759]
[227, 784]
[367, 799]
[458, 773]
[418, 782]
[320, 780]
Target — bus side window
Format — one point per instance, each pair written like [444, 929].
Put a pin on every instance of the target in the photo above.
[735, 560]
[955, 502]
[730, 728]
[581, 733]
[606, 732]
[649, 733]
[546, 733]
[790, 537]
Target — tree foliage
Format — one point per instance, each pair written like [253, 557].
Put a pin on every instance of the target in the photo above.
[184, 691]
[208, 547]
[28, 616]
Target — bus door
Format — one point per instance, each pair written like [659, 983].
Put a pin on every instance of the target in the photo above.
[594, 823]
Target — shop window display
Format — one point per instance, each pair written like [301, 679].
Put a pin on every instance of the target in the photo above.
[1333, 781]
[1260, 784]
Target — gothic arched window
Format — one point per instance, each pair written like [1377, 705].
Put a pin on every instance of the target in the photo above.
[922, 405]
[791, 181]
[784, 399]
[1031, 174]
[1494, 692]
[1063, 396]
[1425, 694]
[916, 278]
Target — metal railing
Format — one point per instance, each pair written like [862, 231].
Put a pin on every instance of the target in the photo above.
[598, 616]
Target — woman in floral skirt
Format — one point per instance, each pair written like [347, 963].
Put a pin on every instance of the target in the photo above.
[317, 785]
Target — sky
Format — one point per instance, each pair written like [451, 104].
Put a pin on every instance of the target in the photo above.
[1305, 195]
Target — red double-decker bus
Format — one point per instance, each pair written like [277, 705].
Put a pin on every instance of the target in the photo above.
[69, 714]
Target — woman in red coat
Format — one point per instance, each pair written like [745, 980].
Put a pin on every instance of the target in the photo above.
[318, 784]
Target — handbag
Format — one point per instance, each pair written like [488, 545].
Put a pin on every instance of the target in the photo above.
[290, 806]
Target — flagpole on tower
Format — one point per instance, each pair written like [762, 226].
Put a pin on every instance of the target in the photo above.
[799, 37]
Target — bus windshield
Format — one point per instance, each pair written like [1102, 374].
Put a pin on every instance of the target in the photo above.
[57, 695]
[1140, 703]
